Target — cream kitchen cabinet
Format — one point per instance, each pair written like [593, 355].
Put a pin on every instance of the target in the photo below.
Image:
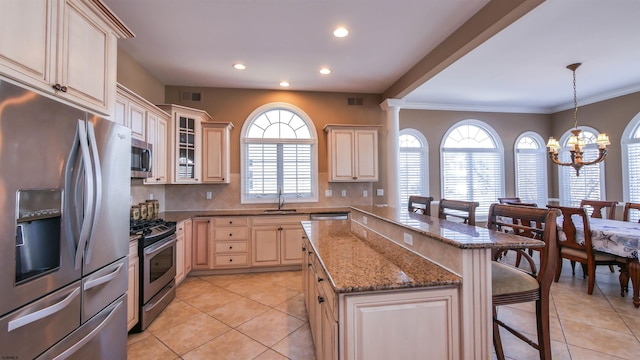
[183, 250]
[202, 244]
[185, 147]
[277, 244]
[353, 153]
[134, 285]
[231, 239]
[215, 152]
[148, 123]
[67, 48]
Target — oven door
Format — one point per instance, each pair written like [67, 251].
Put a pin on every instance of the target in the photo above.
[159, 266]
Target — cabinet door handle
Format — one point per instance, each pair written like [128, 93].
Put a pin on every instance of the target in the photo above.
[230, 247]
[320, 299]
[304, 249]
[230, 222]
[60, 87]
[320, 279]
[230, 234]
[355, 177]
[309, 265]
[230, 260]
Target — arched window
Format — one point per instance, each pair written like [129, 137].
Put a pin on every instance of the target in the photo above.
[631, 160]
[590, 183]
[530, 158]
[472, 163]
[414, 173]
[279, 155]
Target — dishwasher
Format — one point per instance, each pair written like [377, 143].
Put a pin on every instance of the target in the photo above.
[330, 216]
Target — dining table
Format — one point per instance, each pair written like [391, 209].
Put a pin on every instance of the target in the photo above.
[620, 238]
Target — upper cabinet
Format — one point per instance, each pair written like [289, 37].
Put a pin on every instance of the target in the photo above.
[148, 123]
[215, 152]
[64, 47]
[187, 144]
[353, 153]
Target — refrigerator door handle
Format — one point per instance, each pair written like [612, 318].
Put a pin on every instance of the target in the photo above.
[41, 314]
[77, 346]
[103, 279]
[89, 198]
[97, 184]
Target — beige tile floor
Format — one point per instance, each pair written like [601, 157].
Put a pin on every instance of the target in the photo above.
[262, 316]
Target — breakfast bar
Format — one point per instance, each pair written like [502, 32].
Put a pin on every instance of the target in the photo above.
[390, 280]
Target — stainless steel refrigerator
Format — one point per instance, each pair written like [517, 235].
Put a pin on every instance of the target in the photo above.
[64, 220]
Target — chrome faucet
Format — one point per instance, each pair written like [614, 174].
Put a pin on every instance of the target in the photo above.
[280, 199]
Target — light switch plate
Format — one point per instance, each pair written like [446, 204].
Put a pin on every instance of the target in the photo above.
[344, 193]
[408, 239]
[365, 193]
[328, 193]
[208, 195]
[380, 192]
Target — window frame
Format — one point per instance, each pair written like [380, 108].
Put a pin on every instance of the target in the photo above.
[244, 140]
[627, 138]
[564, 190]
[498, 148]
[541, 151]
[424, 152]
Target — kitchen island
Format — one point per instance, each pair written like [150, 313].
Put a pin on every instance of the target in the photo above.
[389, 283]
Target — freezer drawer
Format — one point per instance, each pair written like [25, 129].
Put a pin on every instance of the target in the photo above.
[103, 337]
[30, 330]
[103, 287]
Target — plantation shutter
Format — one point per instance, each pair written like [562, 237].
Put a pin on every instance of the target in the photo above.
[472, 176]
[412, 174]
[262, 169]
[531, 179]
[586, 186]
[633, 156]
[296, 173]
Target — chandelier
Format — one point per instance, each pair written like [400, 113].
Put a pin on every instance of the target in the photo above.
[576, 140]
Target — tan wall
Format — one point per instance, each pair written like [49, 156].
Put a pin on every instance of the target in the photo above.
[611, 117]
[235, 105]
[138, 79]
[434, 124]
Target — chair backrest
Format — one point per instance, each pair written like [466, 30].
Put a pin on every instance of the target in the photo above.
[627, 210]
[570, 216]
[509, 200]
[465, 210]
[532, 222]
[420, 204]
[598, 205]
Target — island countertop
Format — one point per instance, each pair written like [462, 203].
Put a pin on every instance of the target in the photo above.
[453, 233]
[354, 264]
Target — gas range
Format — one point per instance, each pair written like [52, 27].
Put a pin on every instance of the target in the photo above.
[151, 231]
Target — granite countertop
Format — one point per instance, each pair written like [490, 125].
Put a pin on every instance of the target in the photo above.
[354, 264]
[453, 233]
[258, 211]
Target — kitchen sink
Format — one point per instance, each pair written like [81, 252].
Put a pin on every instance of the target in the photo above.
[279, 211]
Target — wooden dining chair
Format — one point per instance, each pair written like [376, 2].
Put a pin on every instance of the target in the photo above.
[627, 211]
[511, 285]
[465, 210]
[420, 204]
[598, 205]
[509, 200]
[571, 248]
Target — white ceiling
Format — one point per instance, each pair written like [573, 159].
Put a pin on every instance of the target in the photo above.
[522, 68]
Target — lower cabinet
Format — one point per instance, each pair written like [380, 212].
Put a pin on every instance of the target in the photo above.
[202, 250]
[183, 250]
[134, 286]
[403, 324]
[231, 242]
[279, 244]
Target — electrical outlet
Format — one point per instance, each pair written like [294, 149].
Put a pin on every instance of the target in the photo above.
[208, 195]
[365, 193]
[380, 192]
[151, 196]
[328, 193]
[364, 220]
[344, 193]
[408, 239]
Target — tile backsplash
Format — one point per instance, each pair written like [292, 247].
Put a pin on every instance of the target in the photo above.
[227, 196]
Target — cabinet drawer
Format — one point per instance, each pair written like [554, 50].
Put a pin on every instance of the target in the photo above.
[231, 221]
[231, 233]
[231, 260]
[279, 219]
[231, 247]
[324, 283]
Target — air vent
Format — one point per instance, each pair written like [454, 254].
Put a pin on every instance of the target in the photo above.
[354, 101]
[190, 96]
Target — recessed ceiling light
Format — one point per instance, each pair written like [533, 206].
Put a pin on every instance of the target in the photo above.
[340, 32]
[239, 66]
[284, 84]
[325, 71]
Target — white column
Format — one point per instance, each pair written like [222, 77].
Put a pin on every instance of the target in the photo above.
[392, 131]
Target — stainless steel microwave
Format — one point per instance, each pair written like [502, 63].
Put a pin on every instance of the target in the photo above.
[141, 159]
